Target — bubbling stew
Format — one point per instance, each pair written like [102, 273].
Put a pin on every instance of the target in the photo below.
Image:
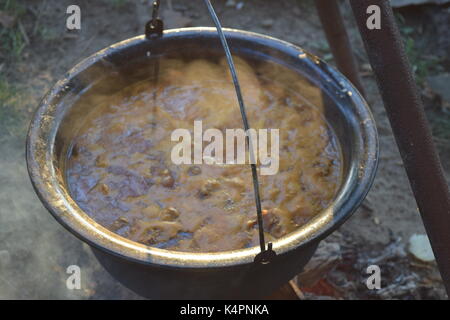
[119, 168]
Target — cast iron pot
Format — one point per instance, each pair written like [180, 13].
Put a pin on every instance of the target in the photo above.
[158, 273]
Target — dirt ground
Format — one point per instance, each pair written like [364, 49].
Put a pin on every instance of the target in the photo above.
[35, 250]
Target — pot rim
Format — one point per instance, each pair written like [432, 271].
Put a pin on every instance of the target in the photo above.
[43, 172]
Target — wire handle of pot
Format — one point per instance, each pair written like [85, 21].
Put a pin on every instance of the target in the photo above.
[155, 27]
[266, 255]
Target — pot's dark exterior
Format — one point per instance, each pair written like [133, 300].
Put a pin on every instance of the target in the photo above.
[250, 281]
[156, 273]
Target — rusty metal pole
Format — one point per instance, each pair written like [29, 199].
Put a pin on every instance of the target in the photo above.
[333, 26]
[408, 120]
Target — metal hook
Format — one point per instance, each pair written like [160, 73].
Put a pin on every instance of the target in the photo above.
[155, 9]
[155, 26]
[266, 256]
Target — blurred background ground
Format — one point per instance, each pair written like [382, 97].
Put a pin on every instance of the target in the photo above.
[36, 50]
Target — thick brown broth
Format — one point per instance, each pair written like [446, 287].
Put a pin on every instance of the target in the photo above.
[120, 172]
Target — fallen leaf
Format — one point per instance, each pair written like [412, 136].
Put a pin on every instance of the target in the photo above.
[420, 247]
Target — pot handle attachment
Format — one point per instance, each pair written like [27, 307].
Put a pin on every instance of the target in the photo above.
[155, 27]
[266, 256]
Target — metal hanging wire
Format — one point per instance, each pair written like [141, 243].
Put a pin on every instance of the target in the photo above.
[266, 255]
[154, 29]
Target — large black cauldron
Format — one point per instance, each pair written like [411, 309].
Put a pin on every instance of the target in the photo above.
[158, 273]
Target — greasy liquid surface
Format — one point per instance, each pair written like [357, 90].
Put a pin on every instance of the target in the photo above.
[120, 172]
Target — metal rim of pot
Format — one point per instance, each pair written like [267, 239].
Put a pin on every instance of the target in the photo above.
[48, 185]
